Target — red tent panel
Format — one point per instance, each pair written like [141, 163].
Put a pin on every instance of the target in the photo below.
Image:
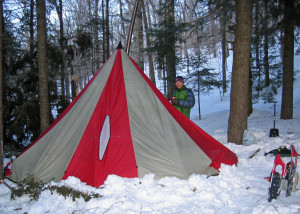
[119, 156]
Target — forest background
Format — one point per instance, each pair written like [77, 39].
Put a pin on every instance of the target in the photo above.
[50, 49]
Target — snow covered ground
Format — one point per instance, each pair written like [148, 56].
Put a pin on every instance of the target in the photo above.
[237, 189]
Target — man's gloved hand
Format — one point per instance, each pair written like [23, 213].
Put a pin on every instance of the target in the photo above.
[174, 101]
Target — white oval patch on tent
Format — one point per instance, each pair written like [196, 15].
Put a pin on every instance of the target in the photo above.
[104, 137]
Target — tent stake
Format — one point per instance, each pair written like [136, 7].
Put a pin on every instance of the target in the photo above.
[131, 26]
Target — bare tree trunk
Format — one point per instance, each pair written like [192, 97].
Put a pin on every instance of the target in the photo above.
[288, 61]
[63, 77]
[161, 71]
[199, 91]
[1, 93]
[151, 68]
[153, 9]
[96, 37]
[147, 7]
[67, 84]
[31, 47]
[140, 39]
[103, 33]
[187, 57]
[170, 56]
[266, 45]
[123, 31]
[240, 73]
[256, 43]
[74, 84]
[165, 81]
[61, 45]
[107, 31]
[42, 65]
[59, 10]
[185, 48]
[250, 103]
[224, 55]
[111, 37]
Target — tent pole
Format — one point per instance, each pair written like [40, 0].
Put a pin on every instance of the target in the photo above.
[131, 26]
[7, 185]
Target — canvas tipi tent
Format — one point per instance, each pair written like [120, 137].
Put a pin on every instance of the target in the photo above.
[120, 124]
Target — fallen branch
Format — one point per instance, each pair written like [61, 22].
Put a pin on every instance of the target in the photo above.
[112, 206]
[255, 153]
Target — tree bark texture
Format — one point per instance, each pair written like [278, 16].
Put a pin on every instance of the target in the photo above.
[31, 32]
[61, 45]
[240, 72]
[96, 37]
[266, 45]
[250, 103]
[224, 51]
[107, 30]
[199, 91]
[103, 33]
[257, 47]
[288, 61]
[1, 92]
[42, 65]
[170, 55]
[140, 37]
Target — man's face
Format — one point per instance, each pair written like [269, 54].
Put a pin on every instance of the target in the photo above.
[179, 84]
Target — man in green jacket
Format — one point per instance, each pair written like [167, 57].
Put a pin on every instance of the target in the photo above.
[183, 98]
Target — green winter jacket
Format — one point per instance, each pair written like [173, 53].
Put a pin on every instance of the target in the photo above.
[186, 100]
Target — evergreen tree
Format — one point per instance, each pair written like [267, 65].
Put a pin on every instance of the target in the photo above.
[265, 66]
[166, 33]
[203, 78]
[21, 118]
[216, 29]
